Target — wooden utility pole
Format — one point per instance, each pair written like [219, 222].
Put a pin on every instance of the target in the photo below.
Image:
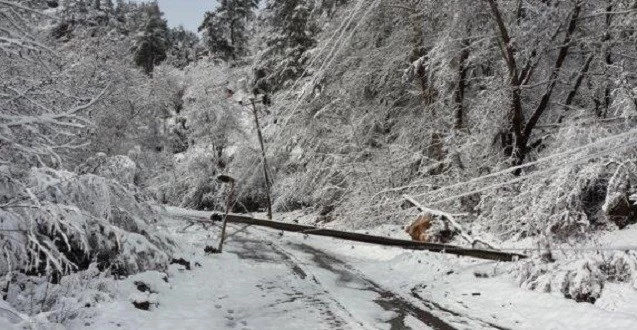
[231, 181]
[263, 158]
[357, 237]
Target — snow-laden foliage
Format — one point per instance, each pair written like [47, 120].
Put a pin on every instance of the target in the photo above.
[581, 278]
[576, 194]
[118, 168]
[225, 29]
[70, 89]
[76, 220]
[62, 300]
[42, 114]
[214, 126]
[56, 222]
[289, 30]
[198, 175]
[77, 296]
[622, 267]
[413, 98]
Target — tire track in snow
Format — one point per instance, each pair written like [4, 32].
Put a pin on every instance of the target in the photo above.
[387, 300]
[414, 293]
[310, 292]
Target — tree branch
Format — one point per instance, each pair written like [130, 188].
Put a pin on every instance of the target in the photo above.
[561, 57]
[578, 83]
[19, 6]
[90, 103]
[506, 41]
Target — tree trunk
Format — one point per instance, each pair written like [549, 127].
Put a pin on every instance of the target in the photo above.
[521, 130]
[608, 58]
[436, 152]
[460, 88]
[578, 82]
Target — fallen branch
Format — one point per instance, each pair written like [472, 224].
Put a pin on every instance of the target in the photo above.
[451, 220]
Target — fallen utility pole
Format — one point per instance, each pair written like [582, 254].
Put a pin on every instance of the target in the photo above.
[405, 244]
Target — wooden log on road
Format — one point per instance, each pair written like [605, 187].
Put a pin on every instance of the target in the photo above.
[379, 240]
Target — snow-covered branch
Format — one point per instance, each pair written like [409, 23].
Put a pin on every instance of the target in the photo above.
[25, 8]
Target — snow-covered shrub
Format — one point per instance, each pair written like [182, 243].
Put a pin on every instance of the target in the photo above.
[67, 233]
[286, 199]
[247, 168]
[305, 181]
[577, 277]
[34, 295]
[67, 221]
[621, 266]
[577, 191]
[200, 173]
[581, 280]
[118, 168]
[564, 205]
[617, 207]
[76, 296]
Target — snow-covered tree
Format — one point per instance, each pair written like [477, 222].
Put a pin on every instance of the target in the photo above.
[182, 45]
[291, 31]
[54, 221]
[225, 28]
[40, 116]
[152, 45]
[293, 24]
[453, 115]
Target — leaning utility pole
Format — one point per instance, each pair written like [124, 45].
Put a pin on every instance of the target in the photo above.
[231, 181]
[263, 157]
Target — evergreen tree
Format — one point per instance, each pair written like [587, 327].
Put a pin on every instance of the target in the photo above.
[225, 28]
[108, 6]
[293, 31]
[182, 46]
[120, 11]
[153, 44]
[293, 25]
[82, 7]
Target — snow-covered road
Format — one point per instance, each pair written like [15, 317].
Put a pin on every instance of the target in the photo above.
[343, 297]
[269, 280]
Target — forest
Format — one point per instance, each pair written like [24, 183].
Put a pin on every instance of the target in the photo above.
[513, 122]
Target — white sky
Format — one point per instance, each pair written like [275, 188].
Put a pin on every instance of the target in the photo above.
[188, 13]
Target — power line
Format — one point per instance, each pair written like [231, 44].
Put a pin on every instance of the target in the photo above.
[579, 249]
[329, 58]
[341, 29]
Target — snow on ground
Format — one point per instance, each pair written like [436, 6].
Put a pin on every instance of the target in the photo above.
[626, 238]
[268, 280]
[261, 281]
